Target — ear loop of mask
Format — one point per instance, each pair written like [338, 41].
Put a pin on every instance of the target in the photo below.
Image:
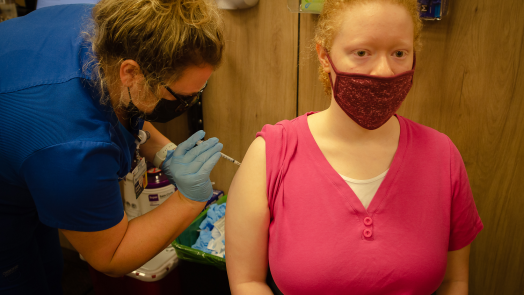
[131, 108]
[131, 104]
[138, 140]
[334, 69]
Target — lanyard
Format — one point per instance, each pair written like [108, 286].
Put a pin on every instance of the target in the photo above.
[142, 138]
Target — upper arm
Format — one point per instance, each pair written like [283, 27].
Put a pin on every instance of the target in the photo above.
[98, 247]
[457, 269]
[247, 219]
[456, 277]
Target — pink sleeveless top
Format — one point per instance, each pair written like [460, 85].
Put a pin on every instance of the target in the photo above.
[323, 241]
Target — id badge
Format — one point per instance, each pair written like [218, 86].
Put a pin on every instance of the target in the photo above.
[140, 177]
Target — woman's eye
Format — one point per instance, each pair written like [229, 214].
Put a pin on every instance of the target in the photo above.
[399, 54]
[361, 53]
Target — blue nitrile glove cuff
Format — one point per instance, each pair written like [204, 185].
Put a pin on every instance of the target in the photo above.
[189, 166]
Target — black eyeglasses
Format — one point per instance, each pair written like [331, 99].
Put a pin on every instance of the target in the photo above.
[186, 100]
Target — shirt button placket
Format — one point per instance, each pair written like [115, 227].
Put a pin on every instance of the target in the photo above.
[368, 232]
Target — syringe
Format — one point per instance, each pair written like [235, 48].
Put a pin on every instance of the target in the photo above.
[224, 155]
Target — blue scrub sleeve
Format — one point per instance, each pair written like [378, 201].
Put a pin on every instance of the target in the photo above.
[75, 185]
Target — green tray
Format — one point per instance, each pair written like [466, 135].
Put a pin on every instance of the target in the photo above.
[183, 243]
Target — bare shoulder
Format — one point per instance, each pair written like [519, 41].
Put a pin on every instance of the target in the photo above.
[250, 179]
[257, 150]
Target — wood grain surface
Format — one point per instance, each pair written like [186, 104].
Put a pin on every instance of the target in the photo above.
[176, 130]
[311, 96]
[257, 82]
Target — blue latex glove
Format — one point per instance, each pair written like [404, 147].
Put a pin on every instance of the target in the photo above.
[188, 166]
[202, 241]
[214, 213]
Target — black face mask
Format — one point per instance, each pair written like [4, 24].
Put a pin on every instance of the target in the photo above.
[165, 111]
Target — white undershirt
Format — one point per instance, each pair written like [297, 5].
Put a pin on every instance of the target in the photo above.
[365, 189]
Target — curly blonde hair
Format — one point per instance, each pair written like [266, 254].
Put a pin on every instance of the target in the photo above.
[330, 20]
[163, 36]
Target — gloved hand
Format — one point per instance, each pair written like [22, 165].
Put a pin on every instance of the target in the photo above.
[188, 166]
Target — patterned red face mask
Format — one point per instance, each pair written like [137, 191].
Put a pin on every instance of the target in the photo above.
[368, 100]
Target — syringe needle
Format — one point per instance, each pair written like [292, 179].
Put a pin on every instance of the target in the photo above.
[224, 155]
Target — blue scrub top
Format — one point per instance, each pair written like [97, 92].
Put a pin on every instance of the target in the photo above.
[62, 151]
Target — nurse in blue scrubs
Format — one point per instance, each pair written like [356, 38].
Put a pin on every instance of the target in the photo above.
[77, 84]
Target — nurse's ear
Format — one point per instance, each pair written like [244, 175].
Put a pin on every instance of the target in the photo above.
[322, 57]
[130, 73]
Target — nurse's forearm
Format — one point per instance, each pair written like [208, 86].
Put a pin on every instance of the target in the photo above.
[154, 144]
[126, 246]
[149, 234]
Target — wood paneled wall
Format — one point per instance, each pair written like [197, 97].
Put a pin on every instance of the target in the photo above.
[468, 85]
[177, 130]
[257, 82]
